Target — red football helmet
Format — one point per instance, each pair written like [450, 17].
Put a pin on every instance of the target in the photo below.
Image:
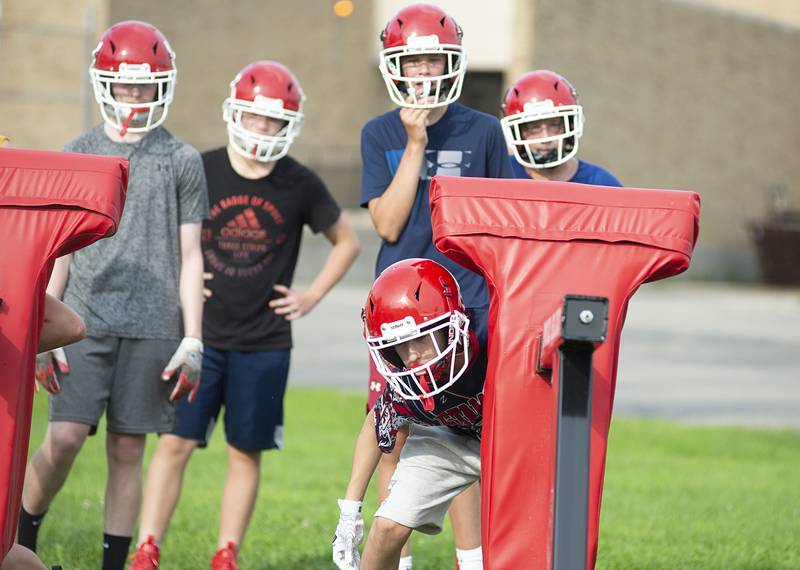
[412, 299]
[133, 53]
[269, 89]
[422, 30]
[541, 96]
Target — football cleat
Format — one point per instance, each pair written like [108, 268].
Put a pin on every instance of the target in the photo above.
[225, 558]
[147, 556]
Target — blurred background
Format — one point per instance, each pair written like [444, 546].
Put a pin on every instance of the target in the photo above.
[697, 95]
[685, 94]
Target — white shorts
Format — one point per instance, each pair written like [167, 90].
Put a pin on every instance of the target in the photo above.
[435, 465]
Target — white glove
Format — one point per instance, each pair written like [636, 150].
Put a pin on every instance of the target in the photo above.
[45, 374]
[189, 358]
[349, 533]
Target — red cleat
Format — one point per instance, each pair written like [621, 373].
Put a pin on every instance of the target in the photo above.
[225, 558]
[147, 556]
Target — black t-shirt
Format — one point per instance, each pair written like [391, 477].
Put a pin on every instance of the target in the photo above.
[251, 243]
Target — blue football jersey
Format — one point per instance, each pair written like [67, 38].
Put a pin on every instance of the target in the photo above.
[464, 142]
[587, 173]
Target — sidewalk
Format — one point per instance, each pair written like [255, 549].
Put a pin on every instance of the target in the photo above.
[691, 352]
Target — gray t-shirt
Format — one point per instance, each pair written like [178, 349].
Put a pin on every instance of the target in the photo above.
[127, 285]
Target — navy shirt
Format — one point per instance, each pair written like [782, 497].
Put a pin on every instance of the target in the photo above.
[464, 142]
[587, 173]
[459, 407]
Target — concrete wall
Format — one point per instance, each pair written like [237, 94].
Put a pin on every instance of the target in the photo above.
[334, 58]
[45, 46]
[686, 96]
[694, 94]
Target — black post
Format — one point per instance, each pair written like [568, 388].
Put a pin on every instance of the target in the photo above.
[584, 321]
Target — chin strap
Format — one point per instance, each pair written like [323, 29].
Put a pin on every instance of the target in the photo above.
[427, 401]
[128, 121]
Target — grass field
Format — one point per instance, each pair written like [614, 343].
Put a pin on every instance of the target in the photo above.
[675, 497]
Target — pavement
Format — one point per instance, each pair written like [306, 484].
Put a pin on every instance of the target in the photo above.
[693, 352]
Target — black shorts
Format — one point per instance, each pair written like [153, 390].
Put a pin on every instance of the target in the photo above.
[251, 386]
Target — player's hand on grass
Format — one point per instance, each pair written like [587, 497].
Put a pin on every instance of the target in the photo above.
[293, 304]
[206, 291]
[45, 373]
[186, 363]
[349, 533]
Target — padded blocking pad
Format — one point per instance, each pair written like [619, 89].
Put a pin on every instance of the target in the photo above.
[51, 204]
[535, 242]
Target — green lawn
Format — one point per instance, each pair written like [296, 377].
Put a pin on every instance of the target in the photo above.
[675, 497]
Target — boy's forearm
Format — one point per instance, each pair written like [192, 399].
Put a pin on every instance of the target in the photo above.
[191, 280]
[391, 211]
[365, 460]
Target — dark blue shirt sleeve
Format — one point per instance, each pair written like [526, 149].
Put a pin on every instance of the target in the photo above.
[375, 173]
[608, 179]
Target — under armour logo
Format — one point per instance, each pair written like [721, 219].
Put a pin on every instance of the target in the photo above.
[375, 386]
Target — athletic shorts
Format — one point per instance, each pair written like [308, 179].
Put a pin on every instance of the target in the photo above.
[121, 376]
[376, 385]
[436, 464]
[251, 386]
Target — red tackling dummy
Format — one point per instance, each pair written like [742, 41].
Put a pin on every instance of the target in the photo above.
[51, 204]
[535, 242]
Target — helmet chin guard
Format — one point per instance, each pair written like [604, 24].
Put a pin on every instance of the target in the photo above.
[133, 53]
[268, 89]
[263, 148]
[542, 96]
[422, 30]
[433, 376]
[417, 299]
[415, 91]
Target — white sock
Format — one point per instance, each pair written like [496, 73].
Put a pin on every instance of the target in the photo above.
[471, 559]
[405, 563]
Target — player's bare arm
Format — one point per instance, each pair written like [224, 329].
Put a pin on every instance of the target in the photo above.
[58, 279]
[62, 325]
[350, 529]
[191, 280]
[294, 304]
[187, 360]
[365, 460]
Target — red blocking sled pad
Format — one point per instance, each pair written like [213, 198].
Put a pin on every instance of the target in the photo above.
[535, 242]
[51, 204]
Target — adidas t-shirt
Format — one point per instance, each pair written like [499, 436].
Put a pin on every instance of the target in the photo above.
[251, 243]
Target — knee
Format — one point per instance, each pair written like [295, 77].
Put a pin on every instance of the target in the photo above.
[389, 534]
[65, 443]
[176, 447]
[125, 449]
[243, 458]
[20, 558]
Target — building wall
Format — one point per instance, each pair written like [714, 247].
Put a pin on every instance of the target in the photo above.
[44, 86]
[335, 60]
[686, 96]
[692, 94]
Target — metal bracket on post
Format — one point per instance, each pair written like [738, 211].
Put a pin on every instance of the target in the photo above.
[571, 334]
